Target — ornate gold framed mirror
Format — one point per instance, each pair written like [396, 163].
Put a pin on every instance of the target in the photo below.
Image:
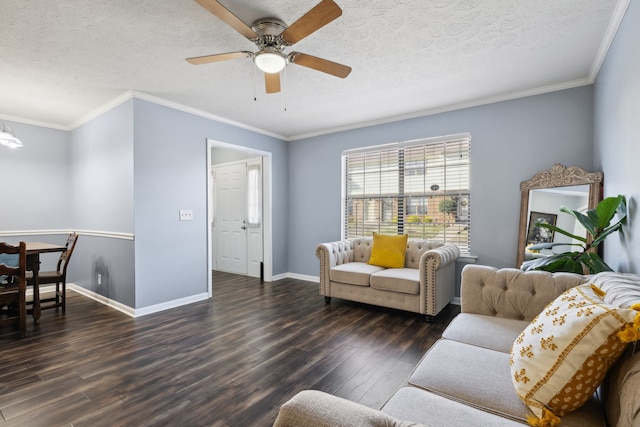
[542, 196]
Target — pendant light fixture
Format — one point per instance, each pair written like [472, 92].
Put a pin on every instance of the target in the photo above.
[8, 139]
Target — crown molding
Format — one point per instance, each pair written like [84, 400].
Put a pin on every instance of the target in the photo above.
[413, 115]
[204, 114]
[614, 24]
[31, 122]
[452, 107]
[120, 99]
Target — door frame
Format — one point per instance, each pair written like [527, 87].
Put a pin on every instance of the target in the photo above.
[267, 228]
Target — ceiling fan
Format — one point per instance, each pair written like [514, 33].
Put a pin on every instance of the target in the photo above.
[272, 36]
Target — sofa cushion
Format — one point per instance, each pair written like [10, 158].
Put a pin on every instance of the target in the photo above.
[622, 390]
[470, 374]
[494, 333]
[312, 408]
[481, 378]
[353, 273]
[388, 250]
[417, 405]
[563, 355]
[405, 280]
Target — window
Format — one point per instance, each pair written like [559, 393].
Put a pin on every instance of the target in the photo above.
[417, 187]
[253, 195]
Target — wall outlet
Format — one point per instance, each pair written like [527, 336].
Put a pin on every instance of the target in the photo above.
[99, 279]
[186, 214]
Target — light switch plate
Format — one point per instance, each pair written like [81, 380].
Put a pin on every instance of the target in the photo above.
[186, 214]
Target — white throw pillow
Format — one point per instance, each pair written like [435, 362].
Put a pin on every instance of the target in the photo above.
[563, 355]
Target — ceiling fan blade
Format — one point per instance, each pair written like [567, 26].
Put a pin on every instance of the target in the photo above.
[198, 60]
[229, 18]
[272, 82]
[319, 16]
[319, 64]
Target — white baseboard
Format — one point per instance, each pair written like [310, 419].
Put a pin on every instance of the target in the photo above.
[132, 311]
[455, 301]
[102, 299]
[170, 304]
[304, 277]
[277, 277]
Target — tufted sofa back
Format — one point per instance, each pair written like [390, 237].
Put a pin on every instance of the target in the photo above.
[415, 248]
[361, 249]
[510, 292]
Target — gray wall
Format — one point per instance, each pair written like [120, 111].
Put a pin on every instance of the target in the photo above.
[130, 171]
[617, 135]
[510, 142]
[170, 174]
[101, 194]
[37, 178]
[101, 164]
[35, 184]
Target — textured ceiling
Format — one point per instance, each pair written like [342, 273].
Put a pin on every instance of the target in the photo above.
[64, 61]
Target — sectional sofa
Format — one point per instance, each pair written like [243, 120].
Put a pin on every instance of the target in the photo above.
[465, 379]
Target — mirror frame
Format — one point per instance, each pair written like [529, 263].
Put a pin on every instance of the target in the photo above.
[557, 176]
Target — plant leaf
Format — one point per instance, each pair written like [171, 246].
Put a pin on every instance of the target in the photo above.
[594, 263]
[597, 222]
[604, 233]
[607, 208]
[561, 231]
[588, 221]
[564, 263]
[539, 246]
[550, 263]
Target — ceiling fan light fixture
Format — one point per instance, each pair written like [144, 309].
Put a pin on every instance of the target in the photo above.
[8, 139]
[270, 60]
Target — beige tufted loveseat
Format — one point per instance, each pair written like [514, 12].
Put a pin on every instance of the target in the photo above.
[425, 285]
[464, 380]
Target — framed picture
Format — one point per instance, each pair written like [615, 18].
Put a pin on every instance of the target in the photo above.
[537, 234]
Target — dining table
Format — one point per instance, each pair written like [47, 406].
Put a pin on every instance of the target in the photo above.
[34, 249]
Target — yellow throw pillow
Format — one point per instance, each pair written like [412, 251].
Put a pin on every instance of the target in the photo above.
[388, 251]
[563, 355]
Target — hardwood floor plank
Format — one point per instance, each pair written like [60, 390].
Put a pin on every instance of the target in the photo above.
[230, 361]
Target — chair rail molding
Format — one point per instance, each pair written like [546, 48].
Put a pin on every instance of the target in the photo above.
[95, 233]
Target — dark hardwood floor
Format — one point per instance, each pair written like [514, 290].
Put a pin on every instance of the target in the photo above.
[228, 362]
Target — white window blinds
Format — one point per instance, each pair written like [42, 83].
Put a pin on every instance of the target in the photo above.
[420, 188]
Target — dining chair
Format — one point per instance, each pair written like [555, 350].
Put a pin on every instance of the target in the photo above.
[13, 287]
[59, 277]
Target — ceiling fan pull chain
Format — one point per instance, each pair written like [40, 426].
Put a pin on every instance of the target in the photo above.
[285, 89]
[255, 98]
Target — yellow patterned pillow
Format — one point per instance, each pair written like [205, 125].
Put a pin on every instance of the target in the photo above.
[388, 251]
[563, 355]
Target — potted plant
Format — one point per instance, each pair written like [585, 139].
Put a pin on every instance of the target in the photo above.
[597, 222]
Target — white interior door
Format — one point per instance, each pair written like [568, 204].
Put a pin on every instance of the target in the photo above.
[230, 220]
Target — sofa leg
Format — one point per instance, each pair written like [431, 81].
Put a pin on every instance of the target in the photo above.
[327, 300]
[429, 318]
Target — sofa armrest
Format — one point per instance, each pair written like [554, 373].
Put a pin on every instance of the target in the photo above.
[512, 293]
[312, 408]
[331, 254]
[437, 278]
